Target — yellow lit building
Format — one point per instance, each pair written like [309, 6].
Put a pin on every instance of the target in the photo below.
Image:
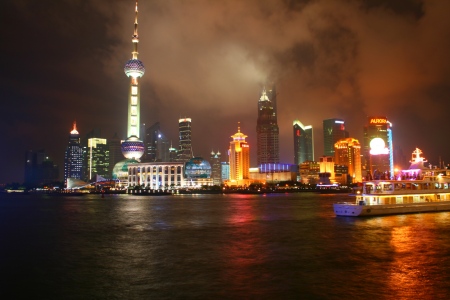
[348, 153]
[239, 158]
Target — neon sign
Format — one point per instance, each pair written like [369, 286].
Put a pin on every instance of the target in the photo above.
[378, 121]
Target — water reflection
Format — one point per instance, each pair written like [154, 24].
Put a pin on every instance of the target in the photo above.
[414, 261]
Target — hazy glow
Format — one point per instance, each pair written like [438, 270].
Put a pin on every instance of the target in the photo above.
[378, 146]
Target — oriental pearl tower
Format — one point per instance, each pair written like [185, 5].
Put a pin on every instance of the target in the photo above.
[133, 147]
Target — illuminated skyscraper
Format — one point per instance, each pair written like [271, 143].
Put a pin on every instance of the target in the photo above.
[267, 128]
[378, 148]
[97, 156]
[333, 131]
[73, 159]
[239, 157]
[133, 147]
[185, 144]
[348, 153]
[303, 143]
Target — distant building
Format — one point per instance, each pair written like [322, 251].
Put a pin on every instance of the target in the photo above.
[303, 143]
[39, 168]
[73, 158]
[239, 158]
[185, 142]
[173, 153]
[157, 146]
[115, 153]
[333, 131]
[348, 153]
[274, 173]
[267, 132]
[377, 146]
[97, 157]
[225, 171]
[156, 175]
[309, 172]
[197, 172]
[216, 171]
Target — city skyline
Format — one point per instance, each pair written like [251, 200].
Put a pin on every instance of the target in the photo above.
[328, 59]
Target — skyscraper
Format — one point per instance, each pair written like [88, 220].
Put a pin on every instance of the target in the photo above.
[333, 131]
[348, 153]
[97, 156]
[267, 128]
[157, 146]
[216, 168]
[133, 147]
[239, 157]
[303, 143]
[378, 148]
[185, 144]
[73, 159]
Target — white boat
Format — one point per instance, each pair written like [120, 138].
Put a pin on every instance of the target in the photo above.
[418, 189]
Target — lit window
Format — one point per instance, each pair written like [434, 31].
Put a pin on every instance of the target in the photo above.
[134, 90]
[134, 100]
[133, 111]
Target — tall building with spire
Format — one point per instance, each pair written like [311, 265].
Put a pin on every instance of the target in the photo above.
[303, 143]
[133, 147]
[239, 157]
[185, 143]
[267, 131]
[73, 158]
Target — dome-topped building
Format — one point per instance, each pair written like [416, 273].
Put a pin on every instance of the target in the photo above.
[197, 167]
[197, 172]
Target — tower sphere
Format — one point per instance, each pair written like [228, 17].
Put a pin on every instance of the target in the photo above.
[134, 68]
[133, 148]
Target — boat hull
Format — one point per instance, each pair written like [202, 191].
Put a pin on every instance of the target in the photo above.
[354, 210]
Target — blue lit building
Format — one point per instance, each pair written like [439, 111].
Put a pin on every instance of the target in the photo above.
[73, 159]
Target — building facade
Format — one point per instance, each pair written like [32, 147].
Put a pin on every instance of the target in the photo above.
[157, 175]
[303, 143]
[73, 158]
[333, 131]
[97, 158]
[157, 146]
[185, 140]
[378, 147]
[267, 132]
[348, 153]
[216, 168]
[225, 170]
[239, 157]
[39, 168]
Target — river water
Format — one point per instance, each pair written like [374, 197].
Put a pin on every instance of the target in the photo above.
[278, 246]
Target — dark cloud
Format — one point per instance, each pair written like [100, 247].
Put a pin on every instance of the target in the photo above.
[208, 60]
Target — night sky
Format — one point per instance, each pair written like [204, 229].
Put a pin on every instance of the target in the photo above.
[208, 60]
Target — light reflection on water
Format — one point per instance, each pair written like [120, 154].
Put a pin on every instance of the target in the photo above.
[219, 246]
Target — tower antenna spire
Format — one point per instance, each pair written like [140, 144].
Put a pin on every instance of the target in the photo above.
[135, 38]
